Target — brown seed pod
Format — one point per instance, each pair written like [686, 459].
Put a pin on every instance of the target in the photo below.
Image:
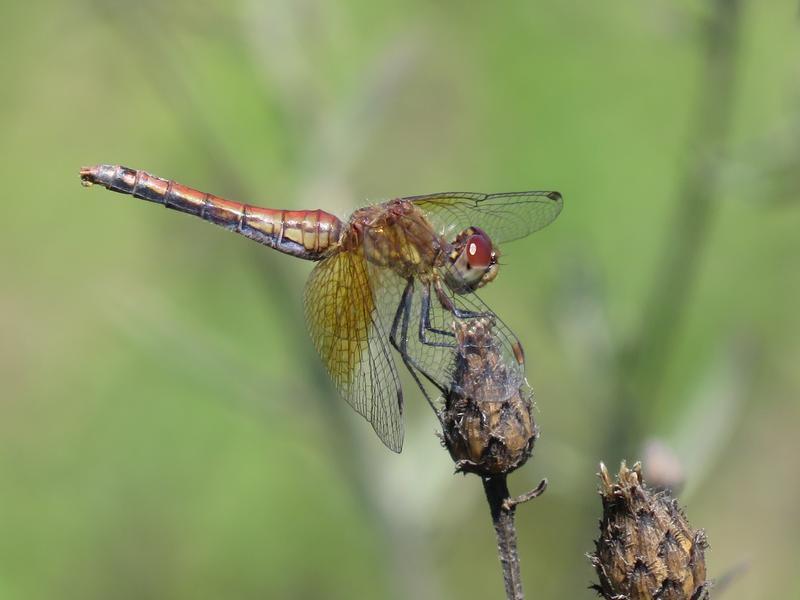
[487, 422]
[646, 549]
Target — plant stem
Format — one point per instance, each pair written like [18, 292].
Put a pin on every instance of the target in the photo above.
[497, 495]
[643, 361]
[503, 507]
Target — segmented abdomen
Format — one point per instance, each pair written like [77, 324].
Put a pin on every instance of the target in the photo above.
[308, 234]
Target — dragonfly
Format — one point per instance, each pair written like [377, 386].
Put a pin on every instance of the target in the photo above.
[396, 275]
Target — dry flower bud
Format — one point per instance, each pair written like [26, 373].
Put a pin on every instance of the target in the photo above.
[646, 549]
[487, 422]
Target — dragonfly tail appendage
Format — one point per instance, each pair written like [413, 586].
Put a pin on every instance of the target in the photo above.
[308, 234]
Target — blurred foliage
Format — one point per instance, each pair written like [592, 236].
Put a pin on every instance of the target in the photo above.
[165, 427]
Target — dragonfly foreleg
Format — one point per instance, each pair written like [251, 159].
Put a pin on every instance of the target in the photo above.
[400, 324]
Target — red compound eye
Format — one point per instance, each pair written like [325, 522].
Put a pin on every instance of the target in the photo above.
[479, 251]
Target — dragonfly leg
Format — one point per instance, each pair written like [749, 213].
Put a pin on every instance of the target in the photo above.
[400, 325]
[398, 315]
[425, 322]
[450, 306]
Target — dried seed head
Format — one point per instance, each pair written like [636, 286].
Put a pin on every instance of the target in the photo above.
[487, 422]
[646, 549]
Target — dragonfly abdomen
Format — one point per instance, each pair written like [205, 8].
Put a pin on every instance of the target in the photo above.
[308, 234]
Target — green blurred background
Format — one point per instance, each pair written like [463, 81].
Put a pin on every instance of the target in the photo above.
[166, 430]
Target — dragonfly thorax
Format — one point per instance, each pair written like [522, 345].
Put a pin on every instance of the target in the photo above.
[396, 236]
[471, 262]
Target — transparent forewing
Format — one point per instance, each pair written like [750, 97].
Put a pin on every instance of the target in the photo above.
[504, 374]
[350, 337]
[483, 373]
[504, 217]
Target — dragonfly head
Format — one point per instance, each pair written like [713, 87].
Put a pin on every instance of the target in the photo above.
[472, 261]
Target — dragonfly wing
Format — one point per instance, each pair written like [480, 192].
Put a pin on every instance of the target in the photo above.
[430, 362]
[432, 350]
[504, 217]
[350, 337]
[505, 344]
